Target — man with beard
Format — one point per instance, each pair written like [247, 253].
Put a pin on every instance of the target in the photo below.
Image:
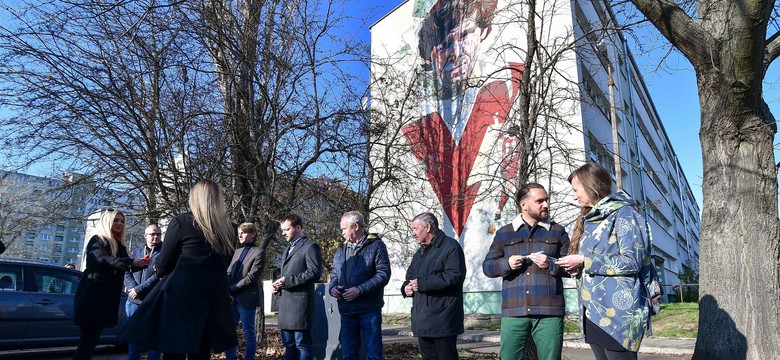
[523, 253]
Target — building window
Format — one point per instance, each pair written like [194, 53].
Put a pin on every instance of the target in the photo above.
[599, 154]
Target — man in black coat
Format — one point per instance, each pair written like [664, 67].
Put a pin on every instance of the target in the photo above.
[301, 269]
[138, 284]
[434, 280]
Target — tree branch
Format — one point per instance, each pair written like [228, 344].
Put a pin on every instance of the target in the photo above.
[772, 50]
[682, 31]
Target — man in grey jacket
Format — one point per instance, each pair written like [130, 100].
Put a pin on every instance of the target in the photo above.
[301, 269]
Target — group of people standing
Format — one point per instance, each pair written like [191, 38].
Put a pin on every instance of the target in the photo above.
[361, 270]
[185, 307]
[181, 305]
[609, 253]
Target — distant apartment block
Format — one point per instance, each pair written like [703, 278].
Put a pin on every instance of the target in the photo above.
[46, 219]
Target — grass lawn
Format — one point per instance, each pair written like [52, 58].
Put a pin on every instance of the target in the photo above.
[680, 320]
[676, 320]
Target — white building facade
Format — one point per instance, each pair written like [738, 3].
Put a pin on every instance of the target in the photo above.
[449, 101]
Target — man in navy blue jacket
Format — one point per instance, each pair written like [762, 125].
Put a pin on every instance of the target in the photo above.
[361, 269]
[139, 283]
[523, 253]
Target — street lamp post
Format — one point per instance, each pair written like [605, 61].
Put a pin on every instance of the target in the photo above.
[613, 117]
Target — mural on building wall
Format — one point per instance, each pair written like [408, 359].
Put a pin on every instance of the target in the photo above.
[469, 96]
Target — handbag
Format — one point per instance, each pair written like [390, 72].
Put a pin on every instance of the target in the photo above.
[653, 285]
[654, 292]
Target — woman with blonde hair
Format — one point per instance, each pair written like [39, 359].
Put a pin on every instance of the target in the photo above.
[97, 297]
[188, 313]
[610, 253]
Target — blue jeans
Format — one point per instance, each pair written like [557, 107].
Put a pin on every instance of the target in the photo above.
[247, 317]
[369, 325]
[134, 352]
[297, 344]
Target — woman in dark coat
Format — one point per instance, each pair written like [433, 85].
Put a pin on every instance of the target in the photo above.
[97, 297]
[188, 313]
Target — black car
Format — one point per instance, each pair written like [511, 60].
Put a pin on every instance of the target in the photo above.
[36, 305]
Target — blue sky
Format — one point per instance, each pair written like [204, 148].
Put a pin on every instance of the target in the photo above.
[672, 87]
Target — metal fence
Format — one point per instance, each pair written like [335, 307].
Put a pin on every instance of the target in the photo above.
[681, 292]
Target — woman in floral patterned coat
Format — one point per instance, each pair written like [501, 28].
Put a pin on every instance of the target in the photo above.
[611, 256]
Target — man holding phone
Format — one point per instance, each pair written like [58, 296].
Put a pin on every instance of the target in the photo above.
[523, 253]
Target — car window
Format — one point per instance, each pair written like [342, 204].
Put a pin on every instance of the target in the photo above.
[55, 281]
[11, 278]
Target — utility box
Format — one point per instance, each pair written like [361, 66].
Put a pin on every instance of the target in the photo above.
[327, 326]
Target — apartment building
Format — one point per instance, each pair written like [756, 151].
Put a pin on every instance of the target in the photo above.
[451, 99]
[46, 219]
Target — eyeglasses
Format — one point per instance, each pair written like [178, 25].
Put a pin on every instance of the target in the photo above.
[153, 234]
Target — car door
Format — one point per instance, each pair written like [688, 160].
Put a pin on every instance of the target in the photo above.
[15, 305]
[52, 305]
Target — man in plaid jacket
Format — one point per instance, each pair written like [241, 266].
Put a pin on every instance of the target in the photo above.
[523, 253]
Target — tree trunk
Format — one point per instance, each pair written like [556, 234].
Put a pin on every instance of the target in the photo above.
[260, 319]
[740, 287]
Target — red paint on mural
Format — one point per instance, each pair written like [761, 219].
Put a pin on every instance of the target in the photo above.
[449, 163]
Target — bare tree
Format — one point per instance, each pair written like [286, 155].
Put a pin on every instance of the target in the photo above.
[287, 115]
[546, 99]
[730, 45]
[108, 89]
[290, 107]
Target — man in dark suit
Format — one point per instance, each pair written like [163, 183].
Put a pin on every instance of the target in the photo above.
[244, 274]
[301, 268]
[139, 283]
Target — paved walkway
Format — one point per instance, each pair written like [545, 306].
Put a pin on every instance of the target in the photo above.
[478, 341]
[650, 345]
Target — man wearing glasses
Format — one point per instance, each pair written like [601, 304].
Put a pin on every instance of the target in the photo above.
[139, 283]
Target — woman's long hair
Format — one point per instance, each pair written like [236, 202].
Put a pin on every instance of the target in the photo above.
[597, 184]
[208, 208]
[104, 233]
